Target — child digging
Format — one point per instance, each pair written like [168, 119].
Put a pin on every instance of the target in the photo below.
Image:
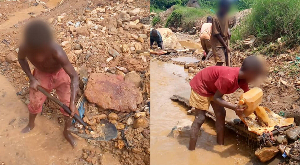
[205, 35]
[209, 86]
[52, 70]
[221, 34]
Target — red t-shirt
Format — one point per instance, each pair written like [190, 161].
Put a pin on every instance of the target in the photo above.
[222, 78]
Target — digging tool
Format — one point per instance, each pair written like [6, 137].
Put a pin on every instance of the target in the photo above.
[109, 130]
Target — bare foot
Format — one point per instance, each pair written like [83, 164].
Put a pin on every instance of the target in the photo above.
[70, 138]
[27, 129]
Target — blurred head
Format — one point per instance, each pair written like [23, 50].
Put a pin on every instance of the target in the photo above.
[37, 34]
[224, 6]
[209, 19]
[154, 32]
[253, 68]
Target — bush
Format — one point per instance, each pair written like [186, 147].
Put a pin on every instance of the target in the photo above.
[155, 20]
[244, 4]
[185, 17]
[164, 4]
[270, 20]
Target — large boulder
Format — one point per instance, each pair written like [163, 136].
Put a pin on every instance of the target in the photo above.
[169, 38]
[110, 91]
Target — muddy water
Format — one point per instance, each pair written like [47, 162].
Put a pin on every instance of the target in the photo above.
[191, 45]
[168, 79]
[186, 59]
[22, 15]
[44, 145]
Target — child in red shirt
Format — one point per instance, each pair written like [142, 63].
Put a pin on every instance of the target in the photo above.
[209, 86]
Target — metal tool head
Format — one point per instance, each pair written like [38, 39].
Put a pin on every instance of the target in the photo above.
[109, 131]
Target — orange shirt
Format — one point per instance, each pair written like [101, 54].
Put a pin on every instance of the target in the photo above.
[206, 31]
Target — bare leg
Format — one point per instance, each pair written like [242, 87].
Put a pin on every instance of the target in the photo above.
[30, 124]
[70, 138]
[199, 120]
[220, 122]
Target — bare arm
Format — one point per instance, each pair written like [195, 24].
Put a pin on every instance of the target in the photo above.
[24, 64]
[220, 101]
[69, 69]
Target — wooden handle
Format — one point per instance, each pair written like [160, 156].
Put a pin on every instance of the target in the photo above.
[66, 108]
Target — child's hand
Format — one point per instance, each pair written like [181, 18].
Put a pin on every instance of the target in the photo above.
[34, 83]
[73, 110]
[239, 110]
[228, 50]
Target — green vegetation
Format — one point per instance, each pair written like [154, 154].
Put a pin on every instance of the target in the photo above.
[165, 4]
[270, 20]
[155, 20]
[185, 17]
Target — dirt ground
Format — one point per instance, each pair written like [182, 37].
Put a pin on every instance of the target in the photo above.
[87, 30]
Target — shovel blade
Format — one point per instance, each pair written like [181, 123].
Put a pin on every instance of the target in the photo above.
[109, 130]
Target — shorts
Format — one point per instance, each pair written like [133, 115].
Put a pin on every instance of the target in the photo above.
[219, 54]
[200, 102]
[60, 81]
[205, 44]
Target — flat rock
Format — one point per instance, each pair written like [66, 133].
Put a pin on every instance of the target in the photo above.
[293, 133]
[110, 91]
[267, 153]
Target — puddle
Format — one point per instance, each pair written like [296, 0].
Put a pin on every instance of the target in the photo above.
[166, 80]
[45, 144]
[22, 15]
[191, 45]
[187, 60]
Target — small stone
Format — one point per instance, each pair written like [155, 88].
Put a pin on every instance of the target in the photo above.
[113, 52]
[293, 133]
[77, 47]
[134, 11]
[138, 46]
[11, 58]
[78, 52]
[134, 78]
[120, 144]
[129, 121]
[120, 126]
[113, 116]
[281, 139]
[125, 48]
[141, 122]
[140, 114]
[109, 59]
[143, 36]
[140, 39]
[83, 31]
[65, 43]
[267, 153]
[113, 121]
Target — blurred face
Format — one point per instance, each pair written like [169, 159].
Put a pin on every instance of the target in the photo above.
[252, 76]
[225, 10]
